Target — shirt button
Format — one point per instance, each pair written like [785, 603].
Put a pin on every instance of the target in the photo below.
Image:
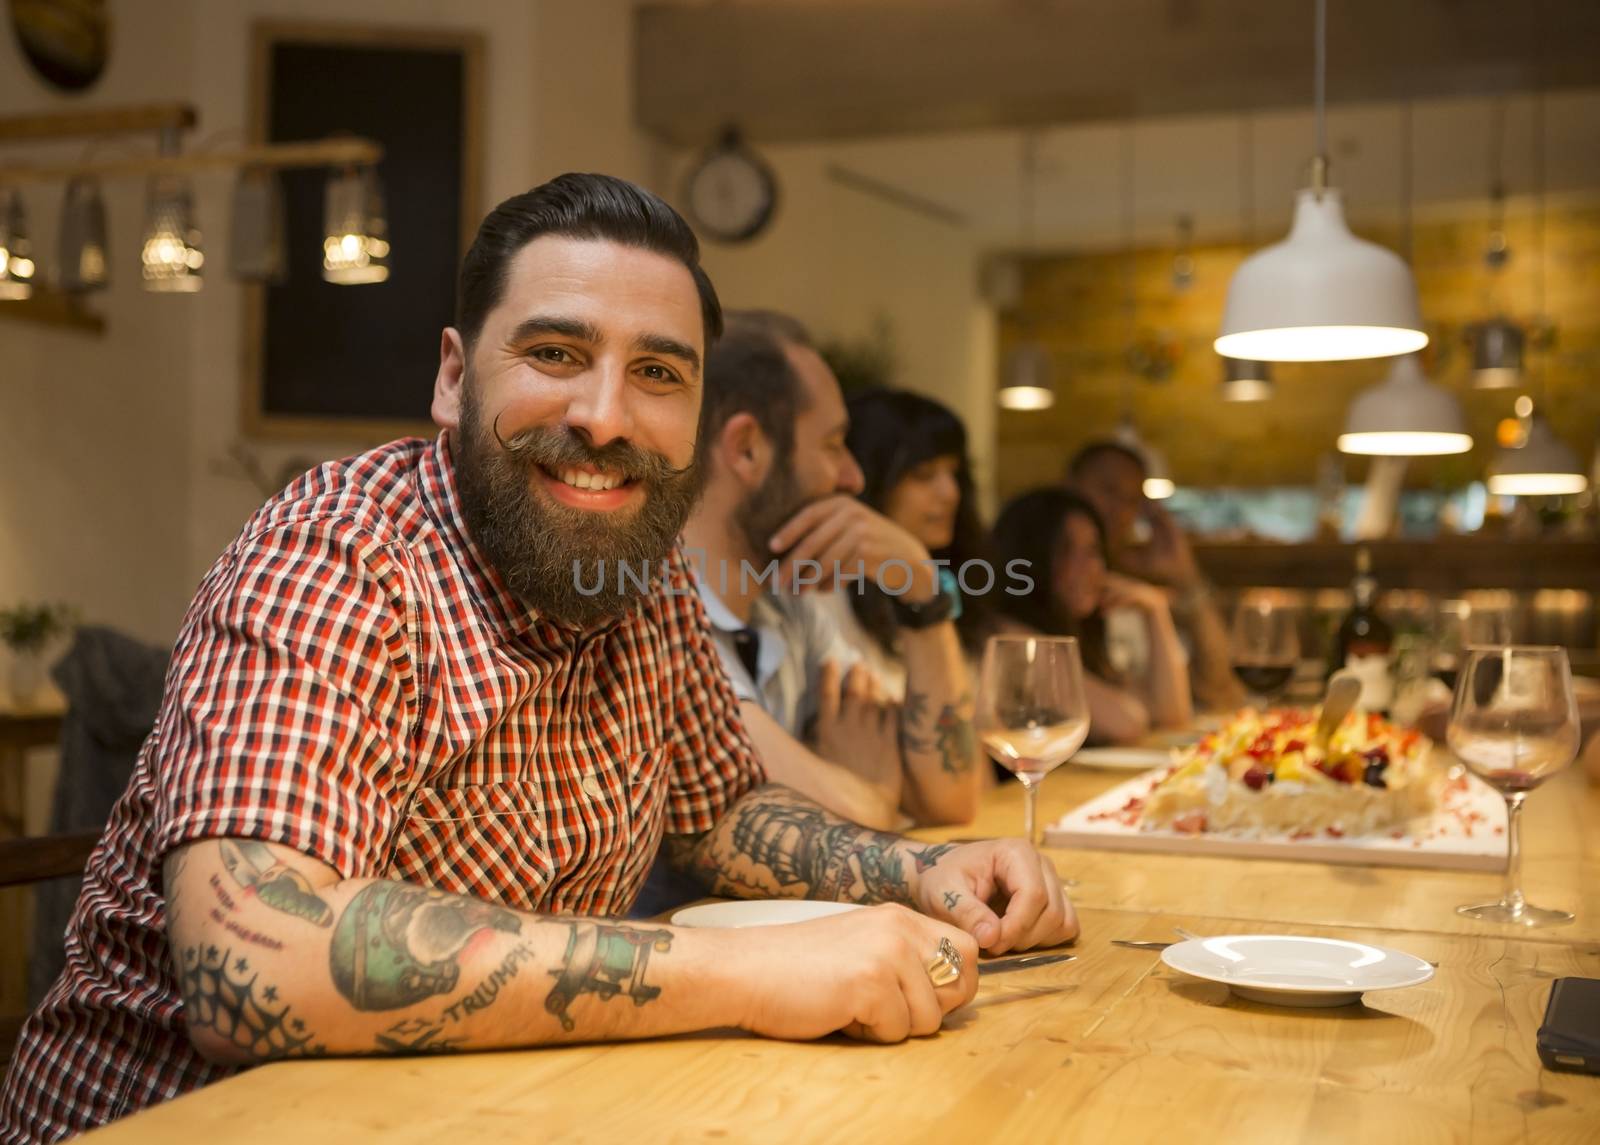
[591, 787]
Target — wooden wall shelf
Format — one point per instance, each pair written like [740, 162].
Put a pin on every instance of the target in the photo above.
[50, 307]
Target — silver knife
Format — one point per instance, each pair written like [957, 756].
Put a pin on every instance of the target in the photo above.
[1021, 962]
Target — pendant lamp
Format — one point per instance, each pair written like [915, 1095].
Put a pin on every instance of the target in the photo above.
[1542, 466]
[1322, 294]
[1027, 378]
[16, 252]
[82, 238]
[1158, 482]
[1497, 345]
[1026, 382]
[1244, 380]
[1405, 415]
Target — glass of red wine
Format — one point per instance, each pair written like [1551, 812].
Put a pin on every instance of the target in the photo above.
[1264, 646]
[1514, 723]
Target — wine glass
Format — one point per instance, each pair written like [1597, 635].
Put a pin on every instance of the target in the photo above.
[1264, 646]
[1032, 711]
[1514, 723]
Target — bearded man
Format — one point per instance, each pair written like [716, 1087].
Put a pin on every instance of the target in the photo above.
[409, 767]
[780, 518]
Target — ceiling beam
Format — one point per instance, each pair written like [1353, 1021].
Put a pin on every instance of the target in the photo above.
[795, 72]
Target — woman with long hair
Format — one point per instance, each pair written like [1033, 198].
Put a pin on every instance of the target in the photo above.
[912, 452]
[1061, 537]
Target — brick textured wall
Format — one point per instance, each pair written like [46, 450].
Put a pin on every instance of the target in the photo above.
[1075, 304]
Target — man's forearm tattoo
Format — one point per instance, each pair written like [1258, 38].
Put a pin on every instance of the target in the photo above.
[395, 944]
[780, 843]
[417, 1036]
[277, 885]
[604, 959]
[223, 994]
[951, 737]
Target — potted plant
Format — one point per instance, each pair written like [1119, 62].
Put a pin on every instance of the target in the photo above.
[26, 629]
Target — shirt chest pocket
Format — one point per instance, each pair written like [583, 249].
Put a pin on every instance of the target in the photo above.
[486, 840]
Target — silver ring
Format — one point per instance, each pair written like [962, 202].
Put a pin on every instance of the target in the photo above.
[945, 965]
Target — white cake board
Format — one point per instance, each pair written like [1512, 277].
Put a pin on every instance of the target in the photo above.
[1466, 833]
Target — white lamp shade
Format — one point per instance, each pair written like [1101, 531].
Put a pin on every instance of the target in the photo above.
[1321, 295]
[1026, 382]
[1405, 415]
[1543, 466]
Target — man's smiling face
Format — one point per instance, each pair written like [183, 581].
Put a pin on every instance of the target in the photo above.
[572, 418]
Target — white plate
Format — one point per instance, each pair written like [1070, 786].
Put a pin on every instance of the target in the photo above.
[1130, 758]
[758, 912]
[1289, 971]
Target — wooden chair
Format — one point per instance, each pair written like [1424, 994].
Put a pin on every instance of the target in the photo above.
[32, 860]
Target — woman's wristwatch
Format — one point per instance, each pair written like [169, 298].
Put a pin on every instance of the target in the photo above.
[943, 605]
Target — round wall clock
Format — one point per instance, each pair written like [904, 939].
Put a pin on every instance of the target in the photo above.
[730, 192]
[66, 41]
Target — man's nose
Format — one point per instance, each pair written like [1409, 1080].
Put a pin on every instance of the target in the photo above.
[600, 406]
[851, 479]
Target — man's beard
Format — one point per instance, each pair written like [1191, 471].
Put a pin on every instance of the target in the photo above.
[545, 550]
[765, 510]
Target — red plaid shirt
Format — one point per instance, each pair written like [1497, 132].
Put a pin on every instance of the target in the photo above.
[355, 682]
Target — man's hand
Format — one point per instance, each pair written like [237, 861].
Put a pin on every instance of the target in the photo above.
[858, 727]
[1167, 557]
[1002, 892]
[864, 972]
[842, 530]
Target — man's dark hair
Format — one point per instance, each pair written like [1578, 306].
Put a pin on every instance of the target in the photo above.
[599, 207]
[747, 371]
[1095, 451]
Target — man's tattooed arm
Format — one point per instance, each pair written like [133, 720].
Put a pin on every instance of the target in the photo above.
[330, 965]
[948, 736]
[776, 842]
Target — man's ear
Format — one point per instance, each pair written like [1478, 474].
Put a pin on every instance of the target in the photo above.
[744, 450]
[448, 381]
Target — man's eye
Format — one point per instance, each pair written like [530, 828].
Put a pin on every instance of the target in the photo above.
[553, 354]
[658, 373]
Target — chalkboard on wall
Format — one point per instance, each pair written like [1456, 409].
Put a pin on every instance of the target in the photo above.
[327, 360]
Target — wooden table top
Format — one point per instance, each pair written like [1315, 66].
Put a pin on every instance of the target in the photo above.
[1112, 1046]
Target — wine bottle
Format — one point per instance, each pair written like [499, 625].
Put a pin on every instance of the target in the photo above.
[1365, 640]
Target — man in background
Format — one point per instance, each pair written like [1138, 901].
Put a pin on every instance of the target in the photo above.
[1112, 475]
[780, 483]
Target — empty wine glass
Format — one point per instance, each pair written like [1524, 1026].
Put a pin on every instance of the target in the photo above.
[1264, 647]
[1032, 711]
[1514, 723]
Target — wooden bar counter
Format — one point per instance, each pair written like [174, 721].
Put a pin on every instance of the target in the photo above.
[1111, 1047]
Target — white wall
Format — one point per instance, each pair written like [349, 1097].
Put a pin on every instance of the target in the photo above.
[115, 489]
[94, 431]
[843, 260]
